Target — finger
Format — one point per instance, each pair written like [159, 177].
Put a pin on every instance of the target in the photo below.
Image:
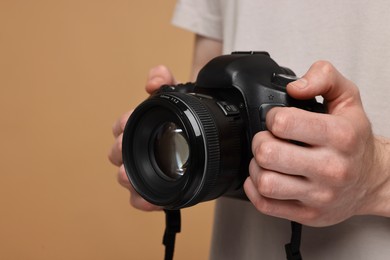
[120, 124]
[304, 126]
[282, 156]
[139, 203]
[287, 209]
[337, 132]
[285, 157]
[158, 76]
[299, 125]
[135, 199]
[123, 179]
[280, 186]
[115, 154]
[323, 79]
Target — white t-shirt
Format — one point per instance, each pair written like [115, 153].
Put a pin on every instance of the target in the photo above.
[352, 35]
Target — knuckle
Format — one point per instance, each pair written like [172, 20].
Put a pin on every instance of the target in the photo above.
[119, 125]
[327, 197]
[354, 90]
[123, 121]
[115, 154]
[133, 201]
[253, 167]
[264, 206]
[158, 69]
[266, 154]
[266, 185]
[110, 157]
[258, 138]
[122, 178]
[325, 67]
[138, 202]
[337, 172]
[154, 71]
[119, 144]
[341, 175]
[113, 129]
[282, 122]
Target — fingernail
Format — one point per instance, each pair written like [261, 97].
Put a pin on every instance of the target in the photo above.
[300, 83]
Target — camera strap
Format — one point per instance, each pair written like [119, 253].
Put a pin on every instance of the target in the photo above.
[172, 226]
[292, 249]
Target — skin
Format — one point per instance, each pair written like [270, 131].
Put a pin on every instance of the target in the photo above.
[204, 50]
[342, 171]
[157, 76]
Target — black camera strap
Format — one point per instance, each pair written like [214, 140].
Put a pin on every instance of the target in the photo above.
[292, 249]
[172, 226]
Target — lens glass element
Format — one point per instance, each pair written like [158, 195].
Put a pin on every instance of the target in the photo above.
[171, 150]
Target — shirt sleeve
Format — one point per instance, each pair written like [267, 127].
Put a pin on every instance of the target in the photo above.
[202, 17]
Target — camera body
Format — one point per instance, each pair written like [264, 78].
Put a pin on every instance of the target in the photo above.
[191, 142]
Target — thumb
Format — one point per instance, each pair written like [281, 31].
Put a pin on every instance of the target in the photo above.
[158, 76]
[323, 79]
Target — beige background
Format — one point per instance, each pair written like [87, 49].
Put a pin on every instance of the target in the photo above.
[68, 70]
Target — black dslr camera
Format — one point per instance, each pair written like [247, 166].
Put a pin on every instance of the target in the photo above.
[191, 142]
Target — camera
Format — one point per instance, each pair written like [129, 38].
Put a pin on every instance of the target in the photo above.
[190, 143]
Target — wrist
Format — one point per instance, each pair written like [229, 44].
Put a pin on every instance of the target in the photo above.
[377, 200]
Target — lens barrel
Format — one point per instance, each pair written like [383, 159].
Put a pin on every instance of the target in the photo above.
[180, 149]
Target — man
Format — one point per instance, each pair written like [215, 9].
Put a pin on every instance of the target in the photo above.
[340, 181]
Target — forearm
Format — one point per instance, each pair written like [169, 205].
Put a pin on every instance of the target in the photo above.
[204, 50]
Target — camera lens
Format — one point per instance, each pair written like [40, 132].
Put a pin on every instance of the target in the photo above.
[171, 150]
[180, 149]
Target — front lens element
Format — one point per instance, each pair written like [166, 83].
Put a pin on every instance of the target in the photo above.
[171, 150]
